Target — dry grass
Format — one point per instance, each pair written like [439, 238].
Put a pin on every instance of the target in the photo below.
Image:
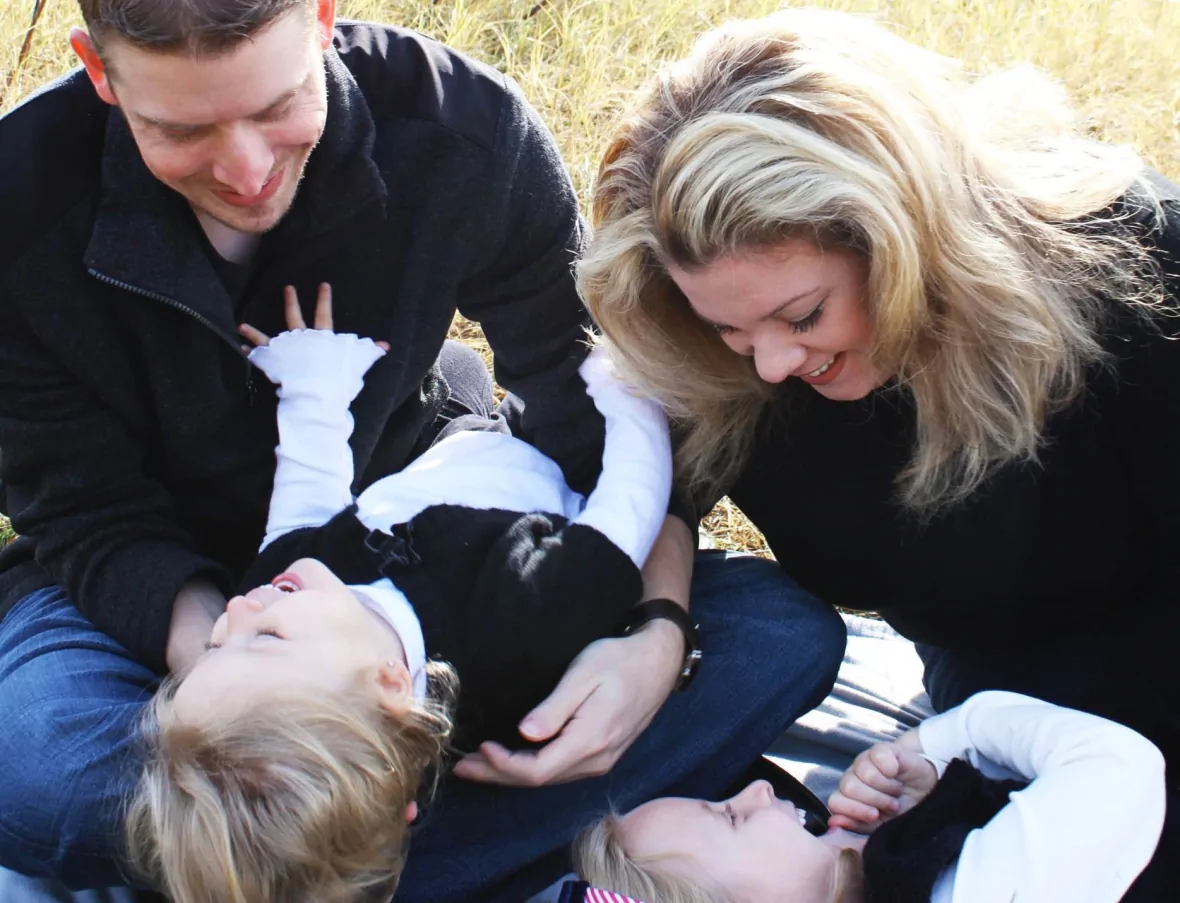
[577, 59]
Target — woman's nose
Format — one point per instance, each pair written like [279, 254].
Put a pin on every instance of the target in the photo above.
[776, 359]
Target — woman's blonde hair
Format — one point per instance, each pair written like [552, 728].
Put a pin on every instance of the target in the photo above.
[601, 858]
[290, 800]
[985, 290]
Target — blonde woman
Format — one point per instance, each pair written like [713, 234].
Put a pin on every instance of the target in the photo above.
[922, 333]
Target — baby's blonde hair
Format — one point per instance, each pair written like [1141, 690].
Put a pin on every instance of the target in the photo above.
[290, 800]
[984, 215]
[601, 858]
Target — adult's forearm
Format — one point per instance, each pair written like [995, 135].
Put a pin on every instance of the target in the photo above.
[197, 607]
[667, 573]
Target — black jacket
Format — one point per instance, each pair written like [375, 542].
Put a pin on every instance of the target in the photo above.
[136, 444]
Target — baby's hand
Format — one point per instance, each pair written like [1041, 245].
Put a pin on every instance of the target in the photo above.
[883, 782]
[316, 353]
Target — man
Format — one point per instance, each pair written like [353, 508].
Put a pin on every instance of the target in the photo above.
[211, 153]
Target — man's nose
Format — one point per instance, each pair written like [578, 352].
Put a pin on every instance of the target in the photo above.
[244, 161]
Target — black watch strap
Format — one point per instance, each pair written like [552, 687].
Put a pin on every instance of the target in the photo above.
[666, 609]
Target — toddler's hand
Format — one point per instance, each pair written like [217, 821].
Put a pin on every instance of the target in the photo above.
[883, 782]
[317, 354]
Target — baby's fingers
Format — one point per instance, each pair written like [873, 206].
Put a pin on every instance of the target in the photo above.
[858, 791]
[254, 336]
[851, 814]
[323, 307]
[291, 308]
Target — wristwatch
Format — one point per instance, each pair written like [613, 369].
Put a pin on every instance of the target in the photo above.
[666, 609]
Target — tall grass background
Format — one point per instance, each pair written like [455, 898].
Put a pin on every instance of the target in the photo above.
[578, 60]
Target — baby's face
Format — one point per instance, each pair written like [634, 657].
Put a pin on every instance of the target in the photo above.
[304, 633]
[752, 846]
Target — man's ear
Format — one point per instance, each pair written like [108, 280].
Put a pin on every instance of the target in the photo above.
[325, 22]
[95, 68]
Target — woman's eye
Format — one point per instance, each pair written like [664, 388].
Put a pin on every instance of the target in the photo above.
[732, 815]
[810, 320]
[269, 631]
[721, 329]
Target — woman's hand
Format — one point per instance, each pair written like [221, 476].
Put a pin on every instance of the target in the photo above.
[883, 782]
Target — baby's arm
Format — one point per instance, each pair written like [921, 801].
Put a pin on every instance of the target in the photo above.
[318, 373]
[1086, 825]
[630, 501]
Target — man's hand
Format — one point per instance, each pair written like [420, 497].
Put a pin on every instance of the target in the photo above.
[197, 607]
[884, 781]
[606, 699]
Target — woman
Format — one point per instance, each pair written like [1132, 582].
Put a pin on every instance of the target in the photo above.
[940, 829]
[921, 332]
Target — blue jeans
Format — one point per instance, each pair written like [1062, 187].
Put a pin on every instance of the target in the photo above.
[70, 699]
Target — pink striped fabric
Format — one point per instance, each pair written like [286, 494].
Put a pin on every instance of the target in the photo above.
[595, 895]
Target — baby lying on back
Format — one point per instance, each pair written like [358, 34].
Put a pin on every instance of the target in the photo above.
[285, 765]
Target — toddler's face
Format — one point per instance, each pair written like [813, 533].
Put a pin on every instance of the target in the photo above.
[752, 846]
[304, 633]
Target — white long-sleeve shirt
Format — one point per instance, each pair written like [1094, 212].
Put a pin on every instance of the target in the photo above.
[1084, 828]
[319, 373]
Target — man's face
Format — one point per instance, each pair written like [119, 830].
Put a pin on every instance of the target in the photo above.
[231, 133]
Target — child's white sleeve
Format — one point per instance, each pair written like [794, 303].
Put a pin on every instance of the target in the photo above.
[1084, 828]
[318, 373]
[630, 501]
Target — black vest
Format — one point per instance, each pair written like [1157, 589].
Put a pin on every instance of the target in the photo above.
[508, 599]
[904, 857]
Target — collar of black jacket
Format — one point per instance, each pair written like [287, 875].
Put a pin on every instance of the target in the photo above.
[145, 235]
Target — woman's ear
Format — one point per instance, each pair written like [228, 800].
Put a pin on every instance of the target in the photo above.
[395, 688]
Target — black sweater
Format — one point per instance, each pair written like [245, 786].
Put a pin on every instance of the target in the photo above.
[136, 445]
[507, 598]
[1086, 540]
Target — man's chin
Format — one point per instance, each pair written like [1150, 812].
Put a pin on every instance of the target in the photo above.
[246, 220]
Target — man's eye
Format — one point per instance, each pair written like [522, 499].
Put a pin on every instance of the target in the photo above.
[732, 815]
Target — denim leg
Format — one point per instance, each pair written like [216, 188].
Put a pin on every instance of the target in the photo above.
[771, 653]
[70, 700]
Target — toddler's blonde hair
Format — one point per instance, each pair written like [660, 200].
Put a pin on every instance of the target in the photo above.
[291, 800]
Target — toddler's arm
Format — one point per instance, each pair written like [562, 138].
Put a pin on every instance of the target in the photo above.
[1082, 830]
[318, 373]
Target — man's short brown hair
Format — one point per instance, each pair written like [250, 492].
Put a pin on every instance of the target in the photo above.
[198, 27]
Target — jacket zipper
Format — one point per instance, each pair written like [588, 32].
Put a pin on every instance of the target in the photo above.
[184, 308]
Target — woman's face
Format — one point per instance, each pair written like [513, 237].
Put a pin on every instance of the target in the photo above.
[752, 846]
[798, 310]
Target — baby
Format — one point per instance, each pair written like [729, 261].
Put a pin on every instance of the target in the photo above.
[1079, 823]
[284, 766]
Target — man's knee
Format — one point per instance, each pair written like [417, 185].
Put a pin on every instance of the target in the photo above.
[70, 701]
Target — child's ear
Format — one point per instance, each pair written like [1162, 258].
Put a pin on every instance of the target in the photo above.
[395, 688]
